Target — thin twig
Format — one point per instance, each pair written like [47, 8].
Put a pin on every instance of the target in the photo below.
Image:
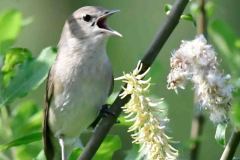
[198, 119]
[231, 147]
[196, 132]
[202, 19]
[107, 122]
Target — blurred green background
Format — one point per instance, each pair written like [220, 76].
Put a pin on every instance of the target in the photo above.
[138, 22]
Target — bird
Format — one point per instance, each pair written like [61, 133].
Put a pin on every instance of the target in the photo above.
[79, 81]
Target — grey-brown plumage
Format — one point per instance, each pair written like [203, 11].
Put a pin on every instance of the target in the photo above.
[78, 82]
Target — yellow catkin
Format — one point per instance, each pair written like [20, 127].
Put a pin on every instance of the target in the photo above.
[148, 128]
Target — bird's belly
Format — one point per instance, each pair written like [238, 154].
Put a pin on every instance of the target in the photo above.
[77, 107]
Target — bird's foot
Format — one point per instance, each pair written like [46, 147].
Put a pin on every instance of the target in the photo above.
[104, 112]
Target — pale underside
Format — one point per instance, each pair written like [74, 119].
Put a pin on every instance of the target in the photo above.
[81, 91]
[81, 87]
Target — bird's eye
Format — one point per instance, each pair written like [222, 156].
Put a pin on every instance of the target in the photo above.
[87, 18]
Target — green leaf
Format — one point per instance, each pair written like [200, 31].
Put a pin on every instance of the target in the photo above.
[210, 8]
[106, 150]
[29, 76]
[188, 17]
[13, 58]
[22, 140]
[24, 110]
[224, 36]
[236, 115]
[220, 133]
[75, 154]
[30, 116]
[40, 156]
[123, 121]
[108, 147]
[237, 43]
[226, 39]
[133, 153]
[167, 8]
[33, 123]
[10, 27]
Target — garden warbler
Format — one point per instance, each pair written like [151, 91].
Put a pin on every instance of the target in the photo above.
[79, 81]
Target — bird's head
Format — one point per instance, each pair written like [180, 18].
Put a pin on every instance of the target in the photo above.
[91, 22]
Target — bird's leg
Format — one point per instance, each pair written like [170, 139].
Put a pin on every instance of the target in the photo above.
[104, 112]
[61, 143]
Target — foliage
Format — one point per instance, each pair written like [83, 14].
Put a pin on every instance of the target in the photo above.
[226, 41]
[106, 151]
[21, 73]
[21, 141]
[29, 76]
[10, 27]
[220, 133]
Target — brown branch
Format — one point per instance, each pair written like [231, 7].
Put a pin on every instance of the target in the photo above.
[231, 147]
[196, 132]
[107, 122]
[198, 119]
[202, 19]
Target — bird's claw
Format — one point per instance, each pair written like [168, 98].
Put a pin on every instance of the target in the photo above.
[104, 112]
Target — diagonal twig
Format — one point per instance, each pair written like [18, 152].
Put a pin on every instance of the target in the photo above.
[107, 122]
[232, 145]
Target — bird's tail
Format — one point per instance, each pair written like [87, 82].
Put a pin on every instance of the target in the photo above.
[51, 147]
[47, 142]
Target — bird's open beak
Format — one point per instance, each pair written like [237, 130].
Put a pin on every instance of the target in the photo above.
[102, 23]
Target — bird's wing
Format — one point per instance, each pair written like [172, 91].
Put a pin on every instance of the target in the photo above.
[95, 122]
[48, 146]
[111, 87]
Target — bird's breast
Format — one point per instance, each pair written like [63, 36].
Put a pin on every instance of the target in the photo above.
[86, 83]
